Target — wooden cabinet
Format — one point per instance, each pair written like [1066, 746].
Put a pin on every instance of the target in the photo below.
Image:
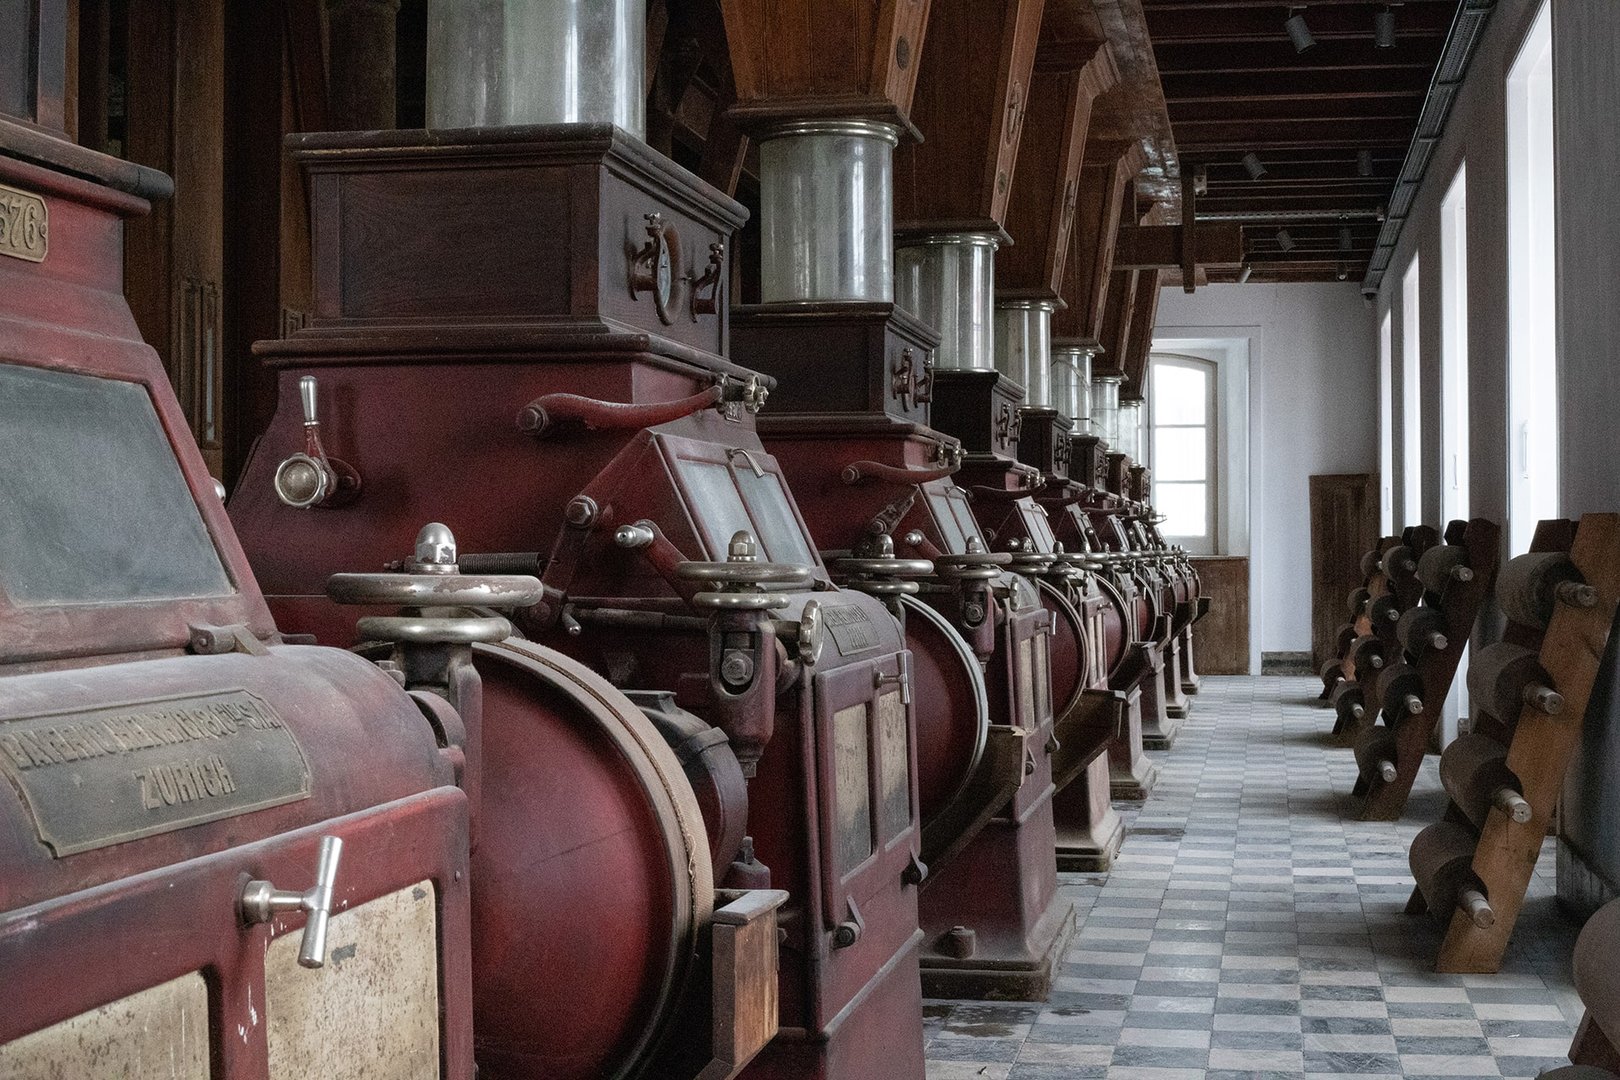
[1344, 527]
[1221, 638]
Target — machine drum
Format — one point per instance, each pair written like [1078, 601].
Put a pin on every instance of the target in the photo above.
[1398, 563]
[1530, 586]
[1442, 860]
[952, 706]
[1474, 772]
[593, 871]
[1422, 629]
[1399, 690]
[1376, 752]
[1504, 678]
[1597, 976]
[1443, 564]
[711, 767]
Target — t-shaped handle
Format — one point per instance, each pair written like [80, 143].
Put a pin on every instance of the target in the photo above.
[261, 901]
[307, 391]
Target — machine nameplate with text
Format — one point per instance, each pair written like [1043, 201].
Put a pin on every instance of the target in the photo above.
[96, 777]
[24, 225]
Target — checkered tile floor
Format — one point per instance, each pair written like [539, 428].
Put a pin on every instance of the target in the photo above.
[1250, 931]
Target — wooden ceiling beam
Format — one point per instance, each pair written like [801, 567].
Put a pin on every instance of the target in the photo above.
[1156, 7]
[971, 101]
[1051, 154]
[1266, 56]
[1177, 26]
[1307, 85]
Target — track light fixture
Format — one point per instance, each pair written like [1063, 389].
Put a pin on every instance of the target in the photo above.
[1344, 271]
[1364, 163]
[1298, 32]
[1285, 241]
[1346, 241]
[1253, 166]
[1245, 272]
[1384, 28]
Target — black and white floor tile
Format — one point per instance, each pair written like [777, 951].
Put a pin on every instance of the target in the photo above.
[1251, 931]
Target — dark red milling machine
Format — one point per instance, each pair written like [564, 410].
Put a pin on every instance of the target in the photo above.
[851, 424]
[521, 330]
[222, 854]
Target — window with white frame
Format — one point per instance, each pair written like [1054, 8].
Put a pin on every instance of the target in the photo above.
[1533, 466]
[1411, 400]
[1386, 427]
[1181, 402]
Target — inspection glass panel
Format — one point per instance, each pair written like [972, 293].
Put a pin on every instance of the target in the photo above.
[779, 529]
[894, 746]
[852, 787]
[93, 506]
[950, 533]
[717, 504]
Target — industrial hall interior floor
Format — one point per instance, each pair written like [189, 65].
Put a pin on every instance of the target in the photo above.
[1250, 929]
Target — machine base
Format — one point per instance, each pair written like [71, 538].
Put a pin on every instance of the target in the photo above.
[984, 977]
[1089, 829]
[1131, 773]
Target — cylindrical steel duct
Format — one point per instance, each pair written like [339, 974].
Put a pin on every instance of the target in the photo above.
[1071, 384]
[826, 211]
[948, 280]
[1131, 434]
[1105, 408]
[493, 63]
[1024, 347]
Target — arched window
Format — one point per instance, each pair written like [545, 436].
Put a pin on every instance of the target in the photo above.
[1185, 451]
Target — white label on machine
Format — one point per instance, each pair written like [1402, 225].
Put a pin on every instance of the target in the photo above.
[160, 1033]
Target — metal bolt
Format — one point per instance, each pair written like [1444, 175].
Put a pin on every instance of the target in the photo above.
[736, 668]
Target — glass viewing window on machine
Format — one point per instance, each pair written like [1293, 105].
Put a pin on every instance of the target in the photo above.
[1183, 424]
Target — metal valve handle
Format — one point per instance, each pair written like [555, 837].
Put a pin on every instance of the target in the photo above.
[427, 630]
[739, 601]
[433, 590]
[262, 901]
[745, 573]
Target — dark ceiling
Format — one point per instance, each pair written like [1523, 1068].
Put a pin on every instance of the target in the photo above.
[1235, 84]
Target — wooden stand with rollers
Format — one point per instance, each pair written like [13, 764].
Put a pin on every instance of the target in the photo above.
[1529, 699]
[1453, 584]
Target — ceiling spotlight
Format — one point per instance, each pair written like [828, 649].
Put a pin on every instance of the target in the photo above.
[1382, 212]
[1201, 180]
[1253, 166]
[1285, 241]
[1245, 272]
[1344, 271]
[1364, 163]
[1384, 28]
[1298, 32]
[1346, 241]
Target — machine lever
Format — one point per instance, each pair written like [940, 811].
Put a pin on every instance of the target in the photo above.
[314, 478]
[901, 679]
[261, 901]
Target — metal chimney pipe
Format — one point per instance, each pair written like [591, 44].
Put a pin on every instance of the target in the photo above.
[827, 211]
[493, 63]
[948, 280]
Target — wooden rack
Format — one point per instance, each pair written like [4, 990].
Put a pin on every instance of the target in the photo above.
[1574, 604]
[1418, 691]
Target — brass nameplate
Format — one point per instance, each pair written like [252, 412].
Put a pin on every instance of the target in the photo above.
[105, 776]
[851, 628]
[24, 221]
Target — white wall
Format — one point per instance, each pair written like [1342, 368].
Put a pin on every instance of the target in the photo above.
[1586, 78]
[1313, 408]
